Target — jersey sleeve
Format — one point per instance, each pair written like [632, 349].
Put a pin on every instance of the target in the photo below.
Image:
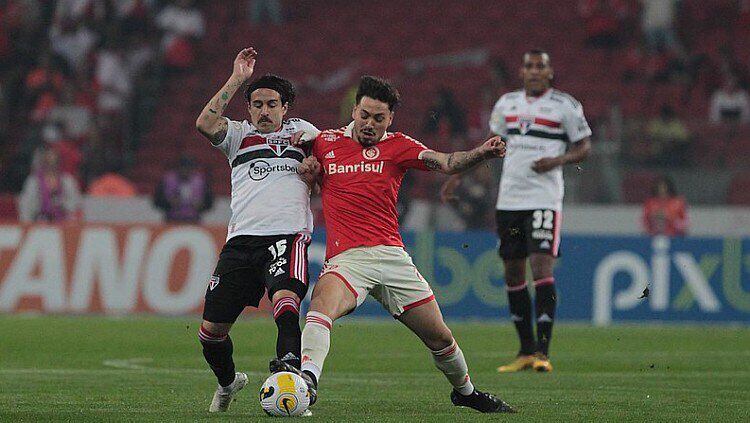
[574, 123]
[309, 134]
[497, 119]
[409, 153]
[231, 143]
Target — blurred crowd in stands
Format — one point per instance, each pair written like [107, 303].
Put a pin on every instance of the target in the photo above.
[83, 78]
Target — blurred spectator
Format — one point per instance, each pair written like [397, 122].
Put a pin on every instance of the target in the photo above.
[75, 119]
[112, 184]
[182, 24]
[49, 194]
[445, 108]
[69, 155]
[474, 198]
[184, 194]
[665, 213]
[657, 23]
[262, 11]
[601, 23]
[73, 41]
[113, 76]
[669, 138]
[730, 104]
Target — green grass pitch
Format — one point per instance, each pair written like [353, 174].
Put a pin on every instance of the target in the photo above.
[151, 369]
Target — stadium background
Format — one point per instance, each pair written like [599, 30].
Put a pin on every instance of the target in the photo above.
[115, 87]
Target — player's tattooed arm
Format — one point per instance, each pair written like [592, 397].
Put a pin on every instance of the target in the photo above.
[460, 161]
[210, 122]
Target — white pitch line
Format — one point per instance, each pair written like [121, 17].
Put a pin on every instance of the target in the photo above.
[130, 363]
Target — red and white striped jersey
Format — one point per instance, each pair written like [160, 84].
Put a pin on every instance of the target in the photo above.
[268, 196]
[360, 187]
[536, 127]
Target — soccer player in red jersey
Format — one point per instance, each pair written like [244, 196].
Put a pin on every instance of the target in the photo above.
[361, 167]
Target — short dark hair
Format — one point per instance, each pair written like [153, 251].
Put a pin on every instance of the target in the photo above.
[378, 89]
[666, 180]
[273, 82]
[536, 52]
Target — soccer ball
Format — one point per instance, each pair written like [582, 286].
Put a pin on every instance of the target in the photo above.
[284, 394]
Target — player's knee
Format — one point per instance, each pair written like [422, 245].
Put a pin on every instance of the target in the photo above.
[542, 265]
[284, 294]
[211, 332]
[440, 339]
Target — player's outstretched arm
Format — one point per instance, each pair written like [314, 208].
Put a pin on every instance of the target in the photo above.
[460, 161]
[577, 153]
[210, 122]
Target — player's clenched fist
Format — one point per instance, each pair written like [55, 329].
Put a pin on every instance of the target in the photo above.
[244, 64]
[494, 147]
[309, 170]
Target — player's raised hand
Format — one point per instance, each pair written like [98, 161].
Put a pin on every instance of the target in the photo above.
[546, 164]
[244, 64]
[495, 147]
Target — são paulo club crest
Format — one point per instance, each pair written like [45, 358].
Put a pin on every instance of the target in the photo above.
[371, 153]
[524, 124]
[278, 144]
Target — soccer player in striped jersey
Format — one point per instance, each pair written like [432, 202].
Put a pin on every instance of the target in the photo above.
[546, 129]
[269, 230]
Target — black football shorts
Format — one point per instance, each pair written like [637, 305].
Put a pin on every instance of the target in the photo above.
[248, 267]
[523, 232]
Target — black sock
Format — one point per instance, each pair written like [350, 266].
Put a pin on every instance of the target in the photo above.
[546, 302]
[520, 312]
[219, 357]
[289, 340]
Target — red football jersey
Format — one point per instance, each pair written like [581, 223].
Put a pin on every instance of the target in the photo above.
[360, 187]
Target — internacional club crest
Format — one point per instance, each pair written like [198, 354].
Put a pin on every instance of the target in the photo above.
[371, 153]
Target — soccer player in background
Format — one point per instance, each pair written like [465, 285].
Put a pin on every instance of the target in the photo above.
[362, 168]
[271, 222]
[541, 123]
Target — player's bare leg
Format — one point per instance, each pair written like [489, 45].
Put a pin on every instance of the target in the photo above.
[520, 313]
[286, 315]
[331, 299]
[217, 349]
[426, 321]
[542, 266]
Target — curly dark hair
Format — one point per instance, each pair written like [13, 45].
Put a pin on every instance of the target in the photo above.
[274, 82]
[378, 89]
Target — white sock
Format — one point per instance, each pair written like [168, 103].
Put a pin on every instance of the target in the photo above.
[450, 360]
[316, 340]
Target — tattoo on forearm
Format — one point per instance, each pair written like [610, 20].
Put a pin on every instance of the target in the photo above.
[225, 96]
[463, 160]
[431, 163]
[212, 111]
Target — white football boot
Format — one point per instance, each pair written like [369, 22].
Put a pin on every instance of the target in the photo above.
[224, 395]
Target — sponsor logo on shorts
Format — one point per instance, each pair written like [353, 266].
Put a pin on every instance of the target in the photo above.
[542, 234]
